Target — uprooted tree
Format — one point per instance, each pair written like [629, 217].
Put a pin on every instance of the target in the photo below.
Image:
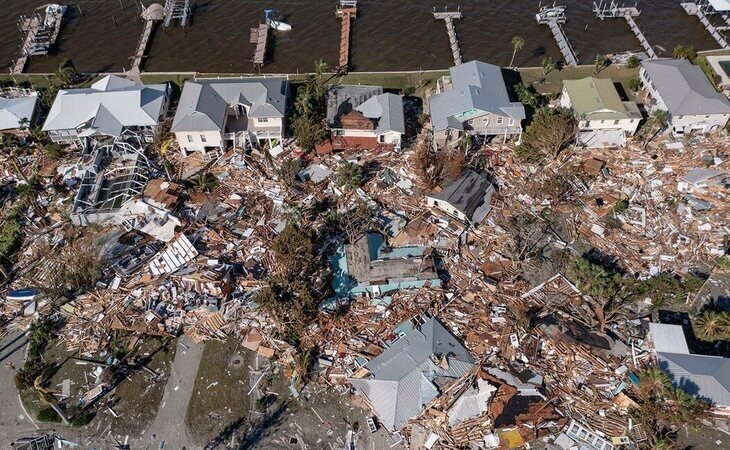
[310, 125]
[550, 131]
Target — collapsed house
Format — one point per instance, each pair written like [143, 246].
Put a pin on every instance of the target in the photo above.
[400, 382]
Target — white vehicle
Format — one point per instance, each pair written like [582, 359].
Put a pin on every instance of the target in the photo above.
[274, 22]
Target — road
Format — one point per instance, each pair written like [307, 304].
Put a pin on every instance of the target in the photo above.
[13, 420]
[168, 430]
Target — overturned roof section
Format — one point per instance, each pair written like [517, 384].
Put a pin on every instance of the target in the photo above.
[467, 194]
[343, 98]
[404, 376]
[706, 377]
[386, 110]
[595, 99]
[14, 109]
[476, 86]
[684, 88]
[204, 104]
[119, 101]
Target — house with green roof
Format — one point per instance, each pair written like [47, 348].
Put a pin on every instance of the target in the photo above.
[603, 118]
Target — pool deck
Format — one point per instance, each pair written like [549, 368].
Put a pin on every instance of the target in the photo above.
[715, 61]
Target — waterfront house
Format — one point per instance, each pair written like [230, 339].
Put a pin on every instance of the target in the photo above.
[368, 266]
[682, 89]
[467, 199]
[604, 120]
[18, 110]
[215, 114]
[363, 117]
[473, 100]
[703, 376]
[413, 371]
[109, 108]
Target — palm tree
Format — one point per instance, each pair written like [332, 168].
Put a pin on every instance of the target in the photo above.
[548, 65]
[204, 182]
[600, 62]
[712, 326]
[66, 73]
[517, 44]
[656, 122]
[654, 380]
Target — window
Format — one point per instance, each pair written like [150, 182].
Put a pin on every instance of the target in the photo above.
[486, 119]
[202, 138]
[588, 123]
[680, 117]
[499, 120]
[511, 121]
[190, 138]
[707, 116]
[263, 119]
[470, 121]
[615, 122]
[381, 138]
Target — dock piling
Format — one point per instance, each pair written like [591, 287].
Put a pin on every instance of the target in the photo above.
[613, 11]
[703, 11]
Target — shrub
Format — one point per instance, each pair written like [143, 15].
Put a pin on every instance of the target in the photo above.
[47, 414]
[632, 62]
[635, 84]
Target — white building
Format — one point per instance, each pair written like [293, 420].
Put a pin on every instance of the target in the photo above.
[18, 109]
[216, 114]
[108, 108]
[467, 199]
[682, 89]
[604, 120]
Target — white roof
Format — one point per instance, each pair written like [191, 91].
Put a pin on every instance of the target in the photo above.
[668, 338]
[15, 109]
[720, 5]
[108, 106]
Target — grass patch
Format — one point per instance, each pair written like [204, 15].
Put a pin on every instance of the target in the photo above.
[554, 80]
[213, 406]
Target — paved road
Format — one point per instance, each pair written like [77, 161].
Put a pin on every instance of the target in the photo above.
[168, 427]
[13, 420]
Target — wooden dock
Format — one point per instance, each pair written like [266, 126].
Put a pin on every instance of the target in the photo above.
[177, 10]
[260, 37]
[554, 17]
[448, 17]
[613, 11]
[154, 13]
[37, 39]
[347, 12]
[702, 11]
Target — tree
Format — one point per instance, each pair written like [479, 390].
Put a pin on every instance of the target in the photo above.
[455, 163]
[528, 96]
[548, 65]
[600, 63]
[712, 326]
[204, 182]
[633, 62]
[357, 220]
[349, 176]
[66, 73]
[309, 125]
[684, 52]
[635, 84]
[550, 131]
[289, 170]
[601, 286]
[424, 162]
[517, 44]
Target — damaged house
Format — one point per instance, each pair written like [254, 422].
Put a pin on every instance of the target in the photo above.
[107, 109]
[467, 199]
[18, 109]
[215, 114]
[413, 371]
[370, 266]
[363, 118]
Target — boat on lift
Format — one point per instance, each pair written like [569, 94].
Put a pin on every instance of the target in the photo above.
[274, 21]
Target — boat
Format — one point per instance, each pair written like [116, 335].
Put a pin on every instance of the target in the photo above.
[274, 22]
[54, 12]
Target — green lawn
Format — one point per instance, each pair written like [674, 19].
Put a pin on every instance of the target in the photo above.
[554, 80]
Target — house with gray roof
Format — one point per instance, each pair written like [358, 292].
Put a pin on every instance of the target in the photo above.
[468, 198]
[705, 377]
[18, 109]
[107, 109]
[365, 115]
[412, 371]
[473, 100]
[682, 89]
[219, 113]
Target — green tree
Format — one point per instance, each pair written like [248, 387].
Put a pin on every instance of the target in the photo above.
[684, 52]
[550, 131]
[288, 171]
[529, 96]
[633, 62]
[600, 63]
[517, 44]
[712, 326]
[548, 65]
[203, 182]
[635, 84]
[66, 73]
[309, 125]
[349, 176]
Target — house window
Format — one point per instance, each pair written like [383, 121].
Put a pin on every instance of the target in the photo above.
[486, 120]
[263, 119]
[381, 138]
[511, 121]
[680, 117]
[190, 138]
[202, 138]
[602, 121]
[707, 117]
[615, 122]
[588, 123]
[499, 120]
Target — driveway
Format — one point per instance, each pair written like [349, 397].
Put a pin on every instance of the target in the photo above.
[168, 430]
[13, 420]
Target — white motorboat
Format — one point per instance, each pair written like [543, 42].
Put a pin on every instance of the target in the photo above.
[274, 22]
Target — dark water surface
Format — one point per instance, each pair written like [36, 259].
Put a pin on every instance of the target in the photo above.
[387, 34]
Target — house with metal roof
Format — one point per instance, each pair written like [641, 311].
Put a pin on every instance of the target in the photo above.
[705, 377]
[412, 371]
[468, 198]
[682, 89]
[364, 117]
[604, 120]
[18, 109]
[107, 109]
[473, 100]
[215, 114]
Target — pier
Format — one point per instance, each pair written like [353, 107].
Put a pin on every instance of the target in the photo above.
[703, 11]
[39, 34]
[347, 12]
[448, 17]
[613, 11]
[260, 37]
[554, 17]
[177, 10]
[154, 13]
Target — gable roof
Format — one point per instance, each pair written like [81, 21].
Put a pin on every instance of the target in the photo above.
[475, 86]
[204, 104]
[15, 109]
[120, 101]
[387, 111]
[595, 99]
[684, 88]
[402, 377]
[467, 193]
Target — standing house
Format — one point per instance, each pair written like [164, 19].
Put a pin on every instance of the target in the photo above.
[364, 117]
[108, 109]
[604, 120]
[682, 89]
[216, 114]
[468, 198]
[18, 110]
[473, 101]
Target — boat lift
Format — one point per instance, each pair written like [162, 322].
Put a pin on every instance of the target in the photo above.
[554, 17]
[613, 11]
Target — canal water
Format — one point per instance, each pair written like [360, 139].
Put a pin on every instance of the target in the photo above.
[101, 35]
